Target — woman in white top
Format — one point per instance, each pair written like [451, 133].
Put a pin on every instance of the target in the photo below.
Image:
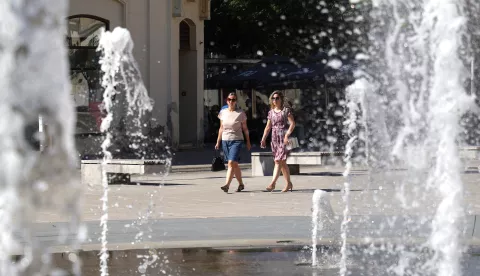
[233, 126]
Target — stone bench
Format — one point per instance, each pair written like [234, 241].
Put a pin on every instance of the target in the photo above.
[469, 152]
[263, 164]
[470, 157]
[118, 170]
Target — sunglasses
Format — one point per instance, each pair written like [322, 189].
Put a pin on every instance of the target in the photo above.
[231, 100]
[275, 98]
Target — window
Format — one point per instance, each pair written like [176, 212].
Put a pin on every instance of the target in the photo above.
[184, 36]
[83, 38]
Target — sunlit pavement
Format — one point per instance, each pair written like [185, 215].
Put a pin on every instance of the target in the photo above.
[189, 209]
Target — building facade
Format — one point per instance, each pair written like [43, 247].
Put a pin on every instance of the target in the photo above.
[169, 48]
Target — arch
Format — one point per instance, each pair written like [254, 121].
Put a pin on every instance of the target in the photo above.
[83, 37]
[187, 81]
[91, 16]
[187, 35]
[78, 34]
[114, 10]
[125, 12]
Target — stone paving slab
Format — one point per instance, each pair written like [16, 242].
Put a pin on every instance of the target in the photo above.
[198, 195]
[125, 161]
[241, 231]
[201, 168]
[195, 205]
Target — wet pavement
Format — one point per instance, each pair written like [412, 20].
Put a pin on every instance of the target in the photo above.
[286, 261]
[193, 225]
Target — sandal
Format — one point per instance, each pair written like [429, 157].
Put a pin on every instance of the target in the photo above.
[240, 188]
[270, 188]
[289, 187]
[225, 188]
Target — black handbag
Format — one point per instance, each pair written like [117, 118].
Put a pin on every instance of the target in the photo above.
[218, 163]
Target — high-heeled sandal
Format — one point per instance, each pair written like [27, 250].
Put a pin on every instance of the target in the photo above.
[270, 188]
[289, 187]
[225, 188]
[240, 188]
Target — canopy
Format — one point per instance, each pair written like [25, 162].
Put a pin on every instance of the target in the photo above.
[282, 72]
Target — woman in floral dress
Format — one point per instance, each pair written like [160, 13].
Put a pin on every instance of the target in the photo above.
[279, 117]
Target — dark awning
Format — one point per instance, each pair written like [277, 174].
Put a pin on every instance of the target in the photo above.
[270, 70]
[280, 72]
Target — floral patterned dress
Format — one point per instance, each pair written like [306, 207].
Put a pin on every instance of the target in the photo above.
[279, 128]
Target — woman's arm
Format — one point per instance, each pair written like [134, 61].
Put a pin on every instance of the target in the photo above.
[219, 137]
[291, 121]
[247, 135]
[268, 127]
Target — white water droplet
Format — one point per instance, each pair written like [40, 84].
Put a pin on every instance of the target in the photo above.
[41, 186]
[335, 63]
[142, 269]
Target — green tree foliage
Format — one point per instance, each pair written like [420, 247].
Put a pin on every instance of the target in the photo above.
[296, 28]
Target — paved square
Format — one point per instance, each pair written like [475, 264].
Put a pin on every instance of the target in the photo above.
[190, 210]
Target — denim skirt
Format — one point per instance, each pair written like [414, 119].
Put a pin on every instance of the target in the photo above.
[231, 149]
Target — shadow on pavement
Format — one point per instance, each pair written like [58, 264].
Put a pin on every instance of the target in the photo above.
[311, 191]
[336, 174]
[159, 184]
[210, 177]
[204, 155]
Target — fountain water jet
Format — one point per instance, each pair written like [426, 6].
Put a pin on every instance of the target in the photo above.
[418, 69]
[448, 101]
[355, 99]
[124, 95]
[322, 220]
[35, 82]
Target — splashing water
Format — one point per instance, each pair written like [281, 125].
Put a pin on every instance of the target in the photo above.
[419, 73]
[34, 80]
[353, 105]
[123, 86]
[439, 101]
[322, 220]
[448, 101]
[316, 223]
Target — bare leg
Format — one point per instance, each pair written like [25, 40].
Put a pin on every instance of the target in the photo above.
[238, 175]
[285, 171]
[286, 175]
[276, 174]
[229, 176]
[230, 173]
[237, 172]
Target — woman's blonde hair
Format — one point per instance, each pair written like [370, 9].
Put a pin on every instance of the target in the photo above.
[280, 94]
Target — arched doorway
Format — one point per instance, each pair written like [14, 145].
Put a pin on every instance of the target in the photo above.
[83, 36]
[188, 83]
